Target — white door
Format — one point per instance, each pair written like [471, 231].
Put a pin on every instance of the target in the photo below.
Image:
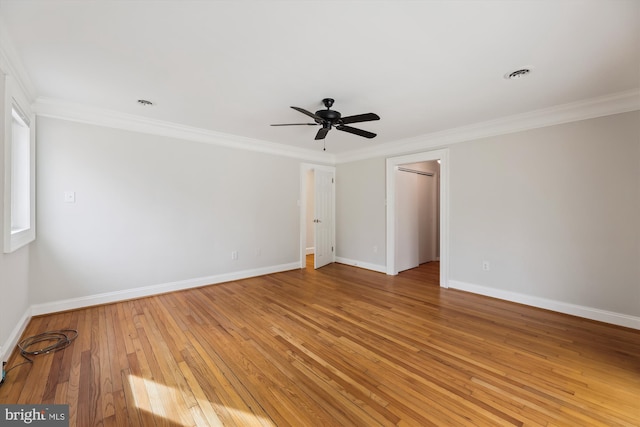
[323, 220]
[407, 239]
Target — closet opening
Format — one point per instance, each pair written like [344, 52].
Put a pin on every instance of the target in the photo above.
[417, 213]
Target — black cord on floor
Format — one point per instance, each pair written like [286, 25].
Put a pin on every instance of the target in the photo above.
[57, 340]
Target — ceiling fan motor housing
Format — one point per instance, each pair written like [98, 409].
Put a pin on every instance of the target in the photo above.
[329, 115]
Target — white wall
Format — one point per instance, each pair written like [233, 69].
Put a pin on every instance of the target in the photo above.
[152, 210]
[14, 271]
[14, 298]
[360, 213]
[555, 210]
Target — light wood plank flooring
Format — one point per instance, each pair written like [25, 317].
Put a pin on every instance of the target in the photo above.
[340, 346]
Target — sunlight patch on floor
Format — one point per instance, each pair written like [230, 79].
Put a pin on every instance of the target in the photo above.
[150, 396]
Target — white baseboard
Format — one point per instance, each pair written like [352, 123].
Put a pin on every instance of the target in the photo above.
[365, 265]
[8, 346]
[110, 297]
[559, 306]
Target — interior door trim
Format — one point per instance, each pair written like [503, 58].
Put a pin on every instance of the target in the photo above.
[392, 164]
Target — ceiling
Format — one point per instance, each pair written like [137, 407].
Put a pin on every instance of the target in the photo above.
[235, 67]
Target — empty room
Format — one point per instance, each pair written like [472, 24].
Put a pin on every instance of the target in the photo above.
[320, 213]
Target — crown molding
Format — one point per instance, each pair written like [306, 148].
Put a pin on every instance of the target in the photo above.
[11, 64]
[587, 109]
[616, 103]
[47, 107]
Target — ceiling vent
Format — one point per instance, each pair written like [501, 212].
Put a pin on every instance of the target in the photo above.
[517, 74]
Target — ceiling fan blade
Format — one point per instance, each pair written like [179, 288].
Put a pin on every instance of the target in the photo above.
[355, 131]
[322, 132]
[308, 113]
[367, 117]
[296, 124]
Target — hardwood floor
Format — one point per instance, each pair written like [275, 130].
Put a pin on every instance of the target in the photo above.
[340, 346]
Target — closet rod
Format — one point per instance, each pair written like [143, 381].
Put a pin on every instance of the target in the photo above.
[415, 171]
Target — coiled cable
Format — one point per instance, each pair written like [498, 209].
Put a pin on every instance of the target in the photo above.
[56, 340]
[59, 339]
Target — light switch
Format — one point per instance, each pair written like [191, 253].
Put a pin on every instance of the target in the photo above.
[70, 196]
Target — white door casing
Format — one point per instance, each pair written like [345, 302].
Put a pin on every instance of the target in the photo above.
[392, 165]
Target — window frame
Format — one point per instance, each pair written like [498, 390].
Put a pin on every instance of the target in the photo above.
[15, 99]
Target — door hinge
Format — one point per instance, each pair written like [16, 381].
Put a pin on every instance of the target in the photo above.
[331, 248]
[332, 180]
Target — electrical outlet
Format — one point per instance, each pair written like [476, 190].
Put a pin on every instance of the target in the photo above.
[234, 255]
[486, 266]
[375, 249]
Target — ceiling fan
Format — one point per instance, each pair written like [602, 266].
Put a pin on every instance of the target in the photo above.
[330, 118]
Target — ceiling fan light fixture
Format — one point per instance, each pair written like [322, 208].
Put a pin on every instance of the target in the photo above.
[518, 74]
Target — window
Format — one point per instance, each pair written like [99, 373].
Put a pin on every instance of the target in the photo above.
[20, 179]
[19, 168]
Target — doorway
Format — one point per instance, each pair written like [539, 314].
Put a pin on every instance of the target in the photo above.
[417, 214]
[317, 214]
[393, 214]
